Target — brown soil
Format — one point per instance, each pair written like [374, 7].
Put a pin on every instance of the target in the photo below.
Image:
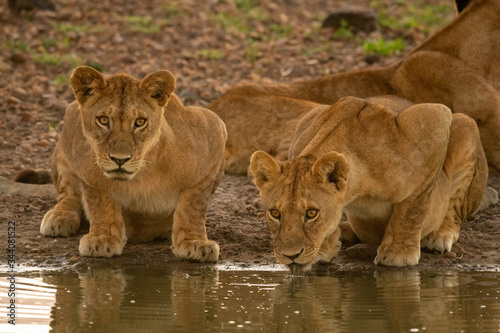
[34, 94]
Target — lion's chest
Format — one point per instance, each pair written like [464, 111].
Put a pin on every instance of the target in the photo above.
[155, 199]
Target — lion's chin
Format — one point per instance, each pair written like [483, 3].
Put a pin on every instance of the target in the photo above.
[299, 269]
[119, 174]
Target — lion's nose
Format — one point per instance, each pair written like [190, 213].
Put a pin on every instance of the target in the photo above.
[292, 257]
[119, 160]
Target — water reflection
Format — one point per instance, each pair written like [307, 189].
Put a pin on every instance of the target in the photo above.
[197, 298]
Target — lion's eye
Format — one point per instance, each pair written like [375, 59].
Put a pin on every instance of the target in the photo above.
[103, 120]
[140, 122]
[311, 213]
[275, 213]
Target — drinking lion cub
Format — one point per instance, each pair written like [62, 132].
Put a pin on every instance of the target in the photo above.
[137, 163]
[405, 175]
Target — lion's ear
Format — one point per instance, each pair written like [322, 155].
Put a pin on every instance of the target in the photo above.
[158, 86]
[264, 168]
[332, 168]
[462, 4]
[84, 81]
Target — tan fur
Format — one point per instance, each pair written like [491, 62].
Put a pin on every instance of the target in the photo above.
[169, 167]
[405, 175]
[458, 66]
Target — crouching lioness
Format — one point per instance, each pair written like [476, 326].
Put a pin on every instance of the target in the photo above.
[405, 175]
[137, 164]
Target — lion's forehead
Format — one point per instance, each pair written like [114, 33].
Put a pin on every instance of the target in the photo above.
[297, 196]
[123, 97]
[125, 112]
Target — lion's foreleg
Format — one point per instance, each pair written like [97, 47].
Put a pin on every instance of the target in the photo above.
[106, 237]
[64, 219]
[189, 235]
[401, 242]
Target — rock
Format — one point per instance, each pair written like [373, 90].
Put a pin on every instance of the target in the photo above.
[6, 198]
[13, 100]
[26, 146]
[361, 251]
[18, 58]
[372, 58]
[25, 116]
[128, 59]
[19, 92]
[37, 90]
[42, 143]
[450, 255]
[359, 19]
[490, 197]
[117, 38]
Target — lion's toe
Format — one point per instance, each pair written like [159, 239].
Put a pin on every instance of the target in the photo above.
[101, 246]
[197, 250]
[439, 241]
[60, 223]
[396, 255]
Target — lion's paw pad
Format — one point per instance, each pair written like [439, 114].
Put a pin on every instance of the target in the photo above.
[101, 246]
[60, 223]
[197, 250]
[394, 255]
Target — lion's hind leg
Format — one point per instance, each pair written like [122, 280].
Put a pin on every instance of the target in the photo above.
[466, 170]
[64, 219]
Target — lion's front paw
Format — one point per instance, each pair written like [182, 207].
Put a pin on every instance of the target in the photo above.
[396, 255]
[60, 223]
[197, 250]
[440, 240]
[101, 246]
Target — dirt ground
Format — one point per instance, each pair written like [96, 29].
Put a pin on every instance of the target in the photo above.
[209, 46]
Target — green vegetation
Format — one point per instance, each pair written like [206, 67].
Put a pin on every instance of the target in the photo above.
[212, 54]
[345, 30]
[69, 27]
[416, 14]
[384, 47]
[16, 45]
[243, 20]
[281, 31]
[96, 65]
[144, 24]
[54, 126]
[48, 42]
[251, 53]
[61, 80]
[310, 51]
[174, 11]
[54, 59]
[246, 5]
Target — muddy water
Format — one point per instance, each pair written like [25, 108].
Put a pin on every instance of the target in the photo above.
[198, 298]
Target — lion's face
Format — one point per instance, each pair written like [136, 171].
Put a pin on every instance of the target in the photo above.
[121, 117]
[303, 200]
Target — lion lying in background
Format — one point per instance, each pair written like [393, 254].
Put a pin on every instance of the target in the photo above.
[137, 164]
[458, 66]
[405, 175]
